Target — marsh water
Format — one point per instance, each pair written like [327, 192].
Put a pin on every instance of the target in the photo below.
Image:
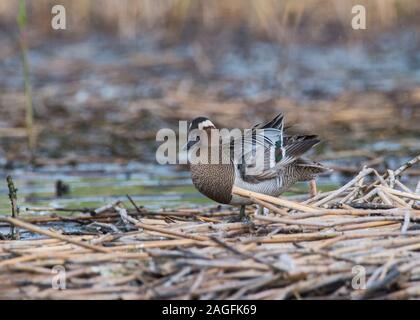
[93, 185]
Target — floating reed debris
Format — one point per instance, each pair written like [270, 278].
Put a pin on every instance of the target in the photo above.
[368, 230]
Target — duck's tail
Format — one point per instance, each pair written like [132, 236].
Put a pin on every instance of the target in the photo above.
[307, 169]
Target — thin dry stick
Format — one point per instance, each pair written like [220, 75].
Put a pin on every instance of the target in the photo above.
[400, 193]
[294, 237]
[32, 228]
[270, 206]
[362, 174]
[350, 196]
[397, 201]
[320, 195]
[134, 204]
[278, 201]
[383, 197]
[292, 221]
[403, 186]
[246, 255]
[417, 192]
[312, 188]
[406, 165]
[144, 226]
[170, 232]
[396, 173]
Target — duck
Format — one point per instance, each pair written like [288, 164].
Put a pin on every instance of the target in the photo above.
[262, 159]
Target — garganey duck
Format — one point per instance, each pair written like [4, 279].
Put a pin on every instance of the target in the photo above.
[263, 159]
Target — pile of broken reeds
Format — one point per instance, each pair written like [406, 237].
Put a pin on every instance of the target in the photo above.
[361, 241]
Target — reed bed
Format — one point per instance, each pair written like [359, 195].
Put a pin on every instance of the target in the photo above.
[278, 20]
[360, 241]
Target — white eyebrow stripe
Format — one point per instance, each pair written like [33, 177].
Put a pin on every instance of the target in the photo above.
[205, 124]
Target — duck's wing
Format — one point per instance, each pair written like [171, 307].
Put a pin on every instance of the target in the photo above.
[266, 150]
[294, 147]
[254, 152]
[276, 123]
[256, 159]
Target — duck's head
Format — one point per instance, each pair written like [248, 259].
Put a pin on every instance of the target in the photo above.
[198, 127]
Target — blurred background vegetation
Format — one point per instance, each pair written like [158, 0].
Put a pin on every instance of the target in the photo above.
[124, 68]
[324, 20]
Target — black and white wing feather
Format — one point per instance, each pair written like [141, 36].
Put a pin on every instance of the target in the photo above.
[261, 152]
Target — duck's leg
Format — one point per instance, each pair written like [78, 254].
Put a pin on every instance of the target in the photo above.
[242, 216]
[242, 213]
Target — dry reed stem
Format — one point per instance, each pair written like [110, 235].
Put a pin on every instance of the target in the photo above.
[30, 227]
[281, 202]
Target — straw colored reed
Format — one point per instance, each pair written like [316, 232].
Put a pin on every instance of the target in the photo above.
[274, 18]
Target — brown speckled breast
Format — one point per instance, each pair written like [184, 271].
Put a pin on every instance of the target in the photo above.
[214, 180]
